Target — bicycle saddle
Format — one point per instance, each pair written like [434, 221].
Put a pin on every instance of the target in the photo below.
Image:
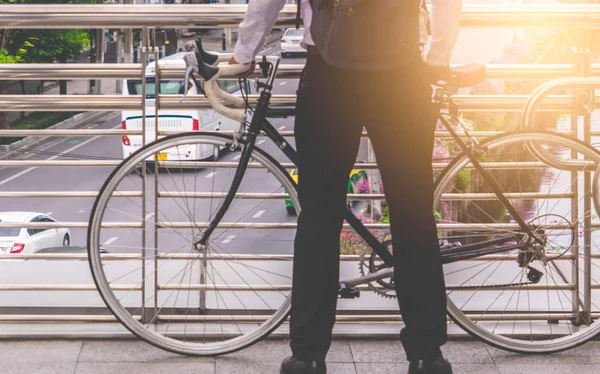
[465, 75]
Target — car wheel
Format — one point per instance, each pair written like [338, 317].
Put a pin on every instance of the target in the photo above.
[66, 240]
[291, 210]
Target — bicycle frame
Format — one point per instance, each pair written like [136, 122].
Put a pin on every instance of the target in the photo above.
[260, 124]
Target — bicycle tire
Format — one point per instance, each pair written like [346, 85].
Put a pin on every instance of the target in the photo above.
[152, 331]
[541, 333]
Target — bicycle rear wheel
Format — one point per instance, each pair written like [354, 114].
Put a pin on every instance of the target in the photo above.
[184, 298]
[498, 297]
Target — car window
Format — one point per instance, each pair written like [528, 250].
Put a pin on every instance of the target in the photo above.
[229, 86]
[33, 231]
[172, 87]
[294, 32]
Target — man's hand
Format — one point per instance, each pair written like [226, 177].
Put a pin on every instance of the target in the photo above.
[437, 73]
[245, 74]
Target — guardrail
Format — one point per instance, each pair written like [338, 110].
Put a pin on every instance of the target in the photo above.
[134, 16]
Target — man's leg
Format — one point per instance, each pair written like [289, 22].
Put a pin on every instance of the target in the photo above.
[327, 138]
[402, 134]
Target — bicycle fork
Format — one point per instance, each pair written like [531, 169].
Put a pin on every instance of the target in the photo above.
[249, 138]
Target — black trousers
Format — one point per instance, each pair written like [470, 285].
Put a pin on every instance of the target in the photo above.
[395, 107]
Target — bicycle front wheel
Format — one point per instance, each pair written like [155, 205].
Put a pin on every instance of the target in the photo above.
[540, 296]
[159, 281]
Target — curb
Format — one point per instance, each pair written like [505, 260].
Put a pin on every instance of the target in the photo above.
[77, 121]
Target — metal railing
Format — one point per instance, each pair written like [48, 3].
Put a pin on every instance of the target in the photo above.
[136, 16]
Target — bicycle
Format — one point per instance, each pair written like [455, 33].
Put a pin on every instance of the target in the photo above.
[504, 232]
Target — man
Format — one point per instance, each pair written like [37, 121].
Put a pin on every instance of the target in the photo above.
[394, 104]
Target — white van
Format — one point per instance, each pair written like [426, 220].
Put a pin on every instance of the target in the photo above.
[173, 120]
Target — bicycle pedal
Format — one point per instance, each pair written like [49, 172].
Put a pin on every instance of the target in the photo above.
[348, 292]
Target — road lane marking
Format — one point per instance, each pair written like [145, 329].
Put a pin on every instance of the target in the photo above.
[228, 239]
[260, 141]
[45, 148]
[282, 83]
[111, 240]
[237, 157]
[17, 175]
[81, 211]
[281, 128]
[63, 154]
[259, 213]
[211, 174]
[149, 215]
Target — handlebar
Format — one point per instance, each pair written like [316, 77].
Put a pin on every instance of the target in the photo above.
[197, 60]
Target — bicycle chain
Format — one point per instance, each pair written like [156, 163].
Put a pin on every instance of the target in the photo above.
[463, 288]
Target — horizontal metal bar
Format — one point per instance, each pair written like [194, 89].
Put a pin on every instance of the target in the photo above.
[217, 16]
[280, 288]
[510, 195]
[69, 256]
[498, 226]
[365, 196]
[69, 225]
[210, 195]
[223, 257]
[118, 132]
[285, 71]
[366, 165]
[365, 317]
[65, 194]
[57, 318]
[466, 103]
[69, 163]
[48, 132]
[64, 287]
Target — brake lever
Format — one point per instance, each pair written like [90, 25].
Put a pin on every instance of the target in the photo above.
[191, 65]
[264, 66]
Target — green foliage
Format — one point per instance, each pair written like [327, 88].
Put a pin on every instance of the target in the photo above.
[6, 58]
[55, 45]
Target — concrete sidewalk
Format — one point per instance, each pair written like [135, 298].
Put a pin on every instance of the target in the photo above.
[345, 357]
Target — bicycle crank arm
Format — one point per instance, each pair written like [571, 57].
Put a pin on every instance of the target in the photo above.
[381, 274]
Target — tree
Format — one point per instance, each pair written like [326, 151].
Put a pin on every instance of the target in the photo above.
[49, 46]
[39, 46]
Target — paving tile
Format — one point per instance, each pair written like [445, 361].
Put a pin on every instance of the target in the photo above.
[37, 367]
[341, 368]
[588, 353]
[235, 365]
[476, 369]
[381, 368]
[548, 368]
[131, 351]
[379, 351]
[466, 352]
[277, 350]
[40, 351]
[137, 367]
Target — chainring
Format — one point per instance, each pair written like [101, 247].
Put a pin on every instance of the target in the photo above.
[370, 263]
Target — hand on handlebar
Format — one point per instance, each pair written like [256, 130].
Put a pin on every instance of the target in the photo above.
[435, 74]
[232, 61]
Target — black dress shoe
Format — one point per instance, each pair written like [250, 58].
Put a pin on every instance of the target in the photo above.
[292, 365]
[438, 365]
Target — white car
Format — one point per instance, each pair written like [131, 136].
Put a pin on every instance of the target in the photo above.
[30, 240]
[290, 42]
